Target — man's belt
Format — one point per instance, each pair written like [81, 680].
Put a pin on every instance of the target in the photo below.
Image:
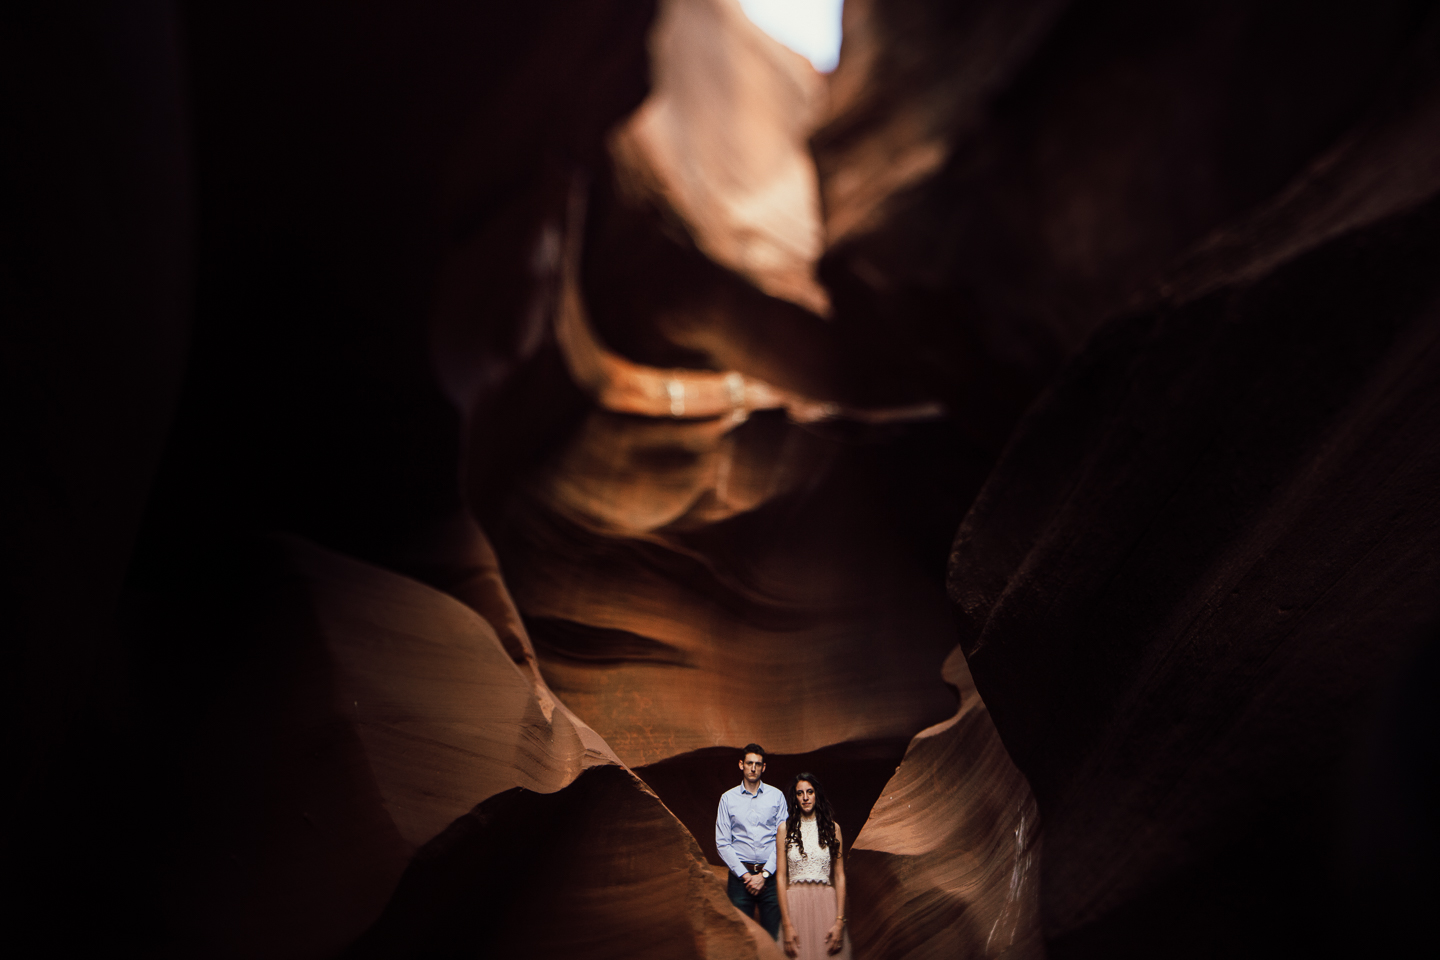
[753, 867]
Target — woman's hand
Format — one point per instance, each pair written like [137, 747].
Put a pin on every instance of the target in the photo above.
[791, 942]
[835, 939]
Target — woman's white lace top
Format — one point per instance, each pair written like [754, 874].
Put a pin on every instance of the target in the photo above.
[814, 867]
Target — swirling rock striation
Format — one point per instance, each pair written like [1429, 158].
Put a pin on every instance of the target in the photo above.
[723, 608]
[948, 863]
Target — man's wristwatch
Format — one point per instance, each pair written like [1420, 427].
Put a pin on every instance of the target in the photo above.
[765, 874]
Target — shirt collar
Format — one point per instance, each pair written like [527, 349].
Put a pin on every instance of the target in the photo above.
[759, 789]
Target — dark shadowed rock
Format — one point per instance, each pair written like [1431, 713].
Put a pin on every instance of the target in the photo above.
[998, 178]
[96, 257]
[1207, 550]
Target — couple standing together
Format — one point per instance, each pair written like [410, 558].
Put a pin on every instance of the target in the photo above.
[783, 852]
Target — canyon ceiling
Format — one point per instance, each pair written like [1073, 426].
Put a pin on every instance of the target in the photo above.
[440, 434]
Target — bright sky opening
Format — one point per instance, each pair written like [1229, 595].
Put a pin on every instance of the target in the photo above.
[809, 27]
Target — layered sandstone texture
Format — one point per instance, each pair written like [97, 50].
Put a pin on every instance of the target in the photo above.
[446, 432]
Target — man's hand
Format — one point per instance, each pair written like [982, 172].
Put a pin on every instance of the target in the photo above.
[754, 882]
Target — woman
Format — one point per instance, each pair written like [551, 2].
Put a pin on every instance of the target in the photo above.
[810, 875]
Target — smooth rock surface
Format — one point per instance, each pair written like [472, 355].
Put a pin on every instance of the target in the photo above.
[722, 138]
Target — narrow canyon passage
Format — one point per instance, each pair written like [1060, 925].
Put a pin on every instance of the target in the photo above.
[447, 433]
[733, 542]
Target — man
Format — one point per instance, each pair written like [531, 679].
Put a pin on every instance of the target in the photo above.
[745, 827]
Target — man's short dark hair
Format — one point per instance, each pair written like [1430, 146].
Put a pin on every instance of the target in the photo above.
[753, 748]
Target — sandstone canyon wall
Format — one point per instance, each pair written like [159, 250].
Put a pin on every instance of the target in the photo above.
[445, 432]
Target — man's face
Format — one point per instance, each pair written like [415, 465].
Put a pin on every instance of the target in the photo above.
[751, 767]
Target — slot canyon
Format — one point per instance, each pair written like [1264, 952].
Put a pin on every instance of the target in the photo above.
[443, 434]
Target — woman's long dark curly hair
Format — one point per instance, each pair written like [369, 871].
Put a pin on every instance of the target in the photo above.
[824, 817]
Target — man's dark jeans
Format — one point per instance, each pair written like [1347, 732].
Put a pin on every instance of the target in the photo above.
[745, 901]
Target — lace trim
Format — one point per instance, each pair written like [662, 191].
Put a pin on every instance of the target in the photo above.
[814, 866]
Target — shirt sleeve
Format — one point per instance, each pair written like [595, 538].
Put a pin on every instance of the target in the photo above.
[722, 838]
[782, 813]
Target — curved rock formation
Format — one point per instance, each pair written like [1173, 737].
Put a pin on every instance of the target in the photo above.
[949, 861]
[600, 869]
[1209, 548]
[360, 715]
[721, 140]
[367, 728]
[655, 613]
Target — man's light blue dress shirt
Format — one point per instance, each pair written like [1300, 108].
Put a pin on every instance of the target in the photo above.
[746, 824]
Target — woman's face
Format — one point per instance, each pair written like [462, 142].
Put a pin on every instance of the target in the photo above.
[805, 796]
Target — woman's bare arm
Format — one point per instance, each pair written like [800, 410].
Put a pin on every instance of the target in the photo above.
[836, 937]
[782, 883]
